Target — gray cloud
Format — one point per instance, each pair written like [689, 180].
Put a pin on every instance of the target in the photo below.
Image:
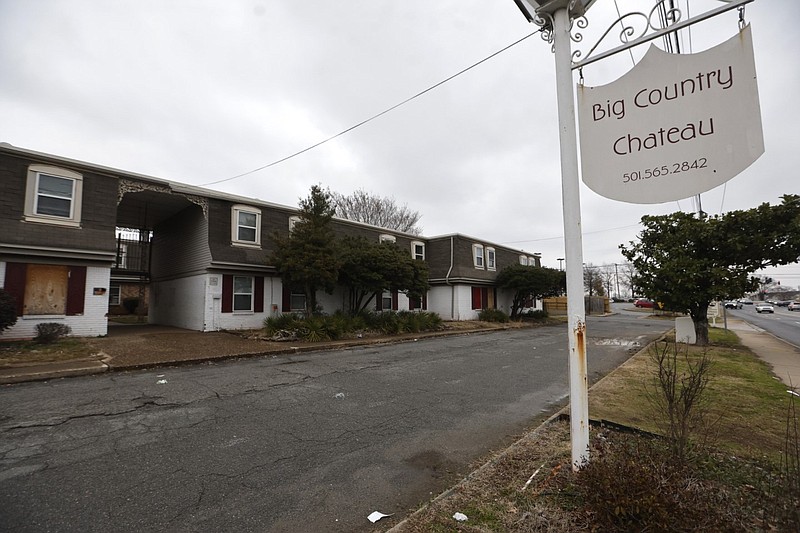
[198, 91]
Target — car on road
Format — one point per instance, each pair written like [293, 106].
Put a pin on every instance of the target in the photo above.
[793, 306]
[642, 302]
[746, 302]
[764, 308]
[733, 304]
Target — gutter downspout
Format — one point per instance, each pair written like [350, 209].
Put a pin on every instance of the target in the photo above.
[447, 280]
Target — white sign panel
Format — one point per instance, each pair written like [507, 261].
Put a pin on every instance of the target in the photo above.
[674, 126]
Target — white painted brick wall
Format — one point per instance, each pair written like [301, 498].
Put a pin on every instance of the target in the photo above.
[452, 302]
[216, 320]
[179, 302]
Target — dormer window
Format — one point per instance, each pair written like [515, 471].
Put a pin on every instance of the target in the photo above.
[418, 250]
[246, 225]
[477, 256]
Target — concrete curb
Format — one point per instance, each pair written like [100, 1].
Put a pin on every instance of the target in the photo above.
[105, 363]
[52, 371]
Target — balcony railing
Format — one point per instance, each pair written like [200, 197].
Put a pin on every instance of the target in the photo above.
[133, 251]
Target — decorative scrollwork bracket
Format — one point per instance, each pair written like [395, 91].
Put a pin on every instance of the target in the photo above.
[634, 28]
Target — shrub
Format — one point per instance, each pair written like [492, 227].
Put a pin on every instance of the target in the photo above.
[632, 484]
[50, 332]
[8, 310]
[288, 326]
[493, 315]
[387, 322]
[314, 329]
[536, 314]
[363, 320]
[430, 321]
[282, 322]
[409, 322]
[678, 394]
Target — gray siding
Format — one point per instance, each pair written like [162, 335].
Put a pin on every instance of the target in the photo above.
[98, 217]
[180, 245]
[438, 257]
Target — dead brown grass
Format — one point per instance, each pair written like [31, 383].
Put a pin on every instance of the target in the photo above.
[15, 353]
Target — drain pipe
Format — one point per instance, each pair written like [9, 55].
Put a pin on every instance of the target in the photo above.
[447, 280]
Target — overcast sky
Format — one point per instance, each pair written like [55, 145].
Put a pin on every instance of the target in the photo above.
[198, 91]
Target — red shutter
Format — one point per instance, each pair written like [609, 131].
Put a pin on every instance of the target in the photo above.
[258, 295]
[394, 301]
[15, 283]
[227, 293]
[286, 300]
[476, 298]
[76, 290]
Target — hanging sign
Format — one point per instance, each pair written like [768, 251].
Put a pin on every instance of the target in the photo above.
[674, 126]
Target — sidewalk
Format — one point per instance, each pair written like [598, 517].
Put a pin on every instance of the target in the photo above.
[130, 347]
[784, 358]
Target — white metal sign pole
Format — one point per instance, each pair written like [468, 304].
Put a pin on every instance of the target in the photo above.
[570, 192]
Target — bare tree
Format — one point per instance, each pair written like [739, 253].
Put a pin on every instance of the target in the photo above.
[362, 206]
[626, 275]
[606, 273]
[592, 280]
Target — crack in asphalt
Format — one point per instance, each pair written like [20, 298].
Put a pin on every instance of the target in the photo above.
[72, 418]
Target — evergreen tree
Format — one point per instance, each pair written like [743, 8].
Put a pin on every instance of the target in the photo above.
[307, 258]
[369, 268]
[530, 282]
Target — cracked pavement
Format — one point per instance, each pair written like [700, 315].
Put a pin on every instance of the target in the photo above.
[306, 442]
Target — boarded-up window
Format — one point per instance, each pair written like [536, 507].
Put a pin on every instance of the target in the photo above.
[46, 290]
[490, 298]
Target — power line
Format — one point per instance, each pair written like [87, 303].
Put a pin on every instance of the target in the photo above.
[373, 117]
[561, 236]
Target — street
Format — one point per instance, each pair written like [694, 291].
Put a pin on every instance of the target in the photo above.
[311, 442]
[783, 323]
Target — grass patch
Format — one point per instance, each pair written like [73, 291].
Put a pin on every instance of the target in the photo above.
[21, 352]
[746, 404]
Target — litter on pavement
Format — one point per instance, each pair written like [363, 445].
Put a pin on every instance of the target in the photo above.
[375, 516]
